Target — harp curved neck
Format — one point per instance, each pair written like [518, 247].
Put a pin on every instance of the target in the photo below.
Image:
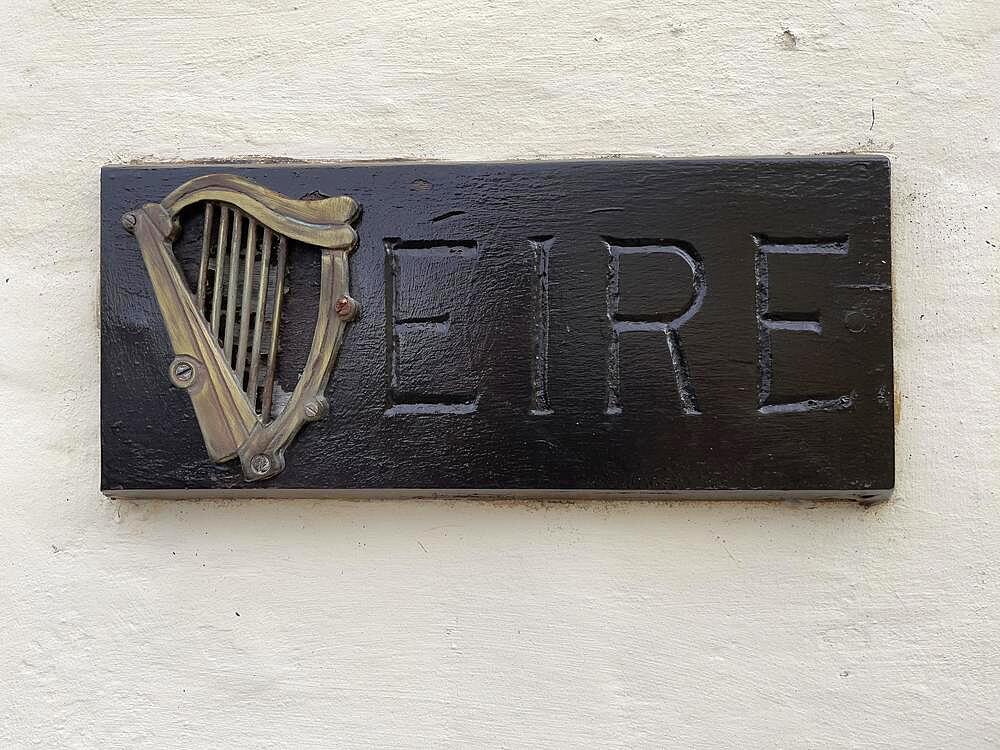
[325, 222]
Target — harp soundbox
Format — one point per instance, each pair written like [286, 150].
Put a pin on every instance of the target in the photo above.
[225, 331]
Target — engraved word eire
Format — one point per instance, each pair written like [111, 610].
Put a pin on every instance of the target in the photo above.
[654, 286]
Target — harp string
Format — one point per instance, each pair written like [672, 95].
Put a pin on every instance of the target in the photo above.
[242, 301]
[206, 249]
[272, 356]
[258, 329]
[220, 267]
[232, 289]
[249, 265]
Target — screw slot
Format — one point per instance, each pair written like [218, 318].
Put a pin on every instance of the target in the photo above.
[183, 372]
[314, 410]
[260, 464]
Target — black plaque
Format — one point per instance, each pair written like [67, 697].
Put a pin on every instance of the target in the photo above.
[711, 326]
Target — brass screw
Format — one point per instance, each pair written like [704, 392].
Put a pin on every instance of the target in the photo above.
[260, 464]
[311, 410]
[346, 308]
[128, 221]
[183, 371]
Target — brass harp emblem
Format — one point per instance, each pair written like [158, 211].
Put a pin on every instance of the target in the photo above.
[225, 333]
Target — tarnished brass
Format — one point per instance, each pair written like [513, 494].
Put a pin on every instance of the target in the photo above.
[226, 389]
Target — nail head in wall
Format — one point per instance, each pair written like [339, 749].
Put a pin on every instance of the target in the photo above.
[788, 40]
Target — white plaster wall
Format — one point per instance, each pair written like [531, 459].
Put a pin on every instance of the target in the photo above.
[463, 624]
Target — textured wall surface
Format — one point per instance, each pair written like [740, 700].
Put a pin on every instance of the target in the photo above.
[462, 624]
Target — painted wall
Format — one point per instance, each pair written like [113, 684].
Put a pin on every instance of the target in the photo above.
[462, 624]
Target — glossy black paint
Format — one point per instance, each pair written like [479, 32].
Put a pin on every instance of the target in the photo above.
[733, 288]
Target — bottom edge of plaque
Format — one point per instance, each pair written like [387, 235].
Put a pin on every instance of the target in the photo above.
[865, 496]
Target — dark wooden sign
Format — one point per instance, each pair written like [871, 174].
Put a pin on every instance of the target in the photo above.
[696, 326]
